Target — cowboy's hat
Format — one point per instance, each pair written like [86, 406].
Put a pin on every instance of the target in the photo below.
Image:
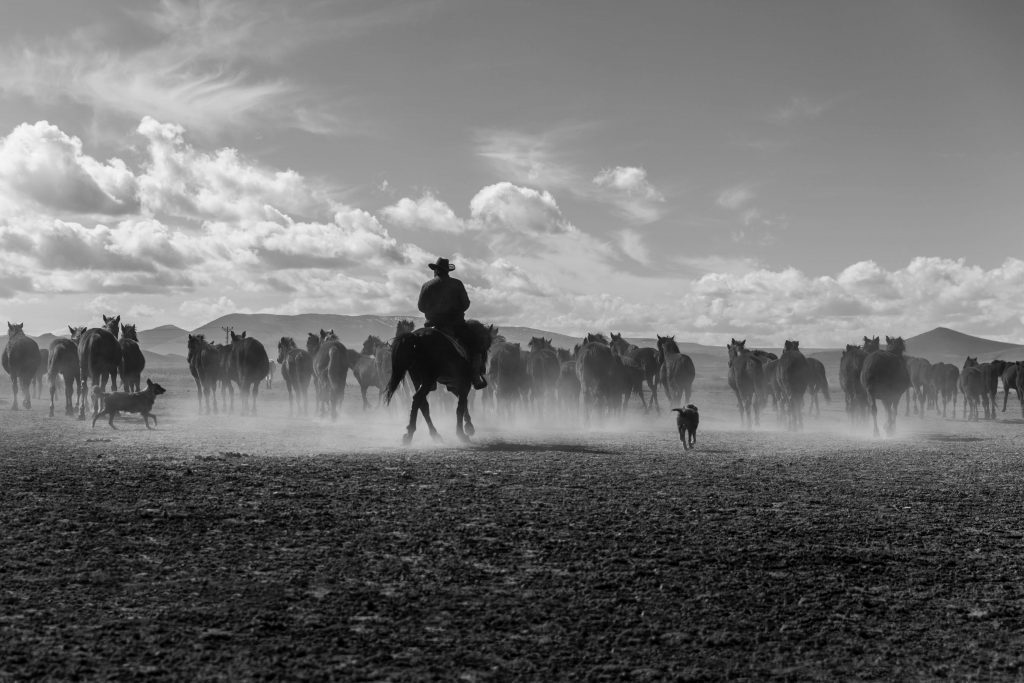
[442, 265]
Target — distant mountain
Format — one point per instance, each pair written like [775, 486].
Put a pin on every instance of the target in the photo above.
[352, 330]
[947, 343]
[166, 339]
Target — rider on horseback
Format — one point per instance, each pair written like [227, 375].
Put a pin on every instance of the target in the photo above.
[443, 300]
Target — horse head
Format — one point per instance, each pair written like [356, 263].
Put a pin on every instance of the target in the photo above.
[971, 362]
[871, 344]
[595, 338]
[328, 336]
[313, 343]
[895, 345]
[283, 347]
[404, 326]
[539, 343]
[128, 332]
[76, 332]
[495, 335]
[791, 345]
[371, 344]
[111, 324]
[195, 343]
[15, 330]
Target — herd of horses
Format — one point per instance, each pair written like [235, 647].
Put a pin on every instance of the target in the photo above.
[598, 377]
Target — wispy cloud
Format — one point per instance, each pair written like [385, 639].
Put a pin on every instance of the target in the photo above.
[203, 64]
[799, 109]
[629, 190]
[531, 158]
[735, 197]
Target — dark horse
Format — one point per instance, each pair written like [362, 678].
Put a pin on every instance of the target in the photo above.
[794, 375]
[746, 379]
[382, 353]
[594, 366]
[649, 362]
[818, 384]
[206, 365]
[364, 368]
[296, 371]
[675, 372]
[543, 368]
[132, 360]
[248, 364]
[850, 366]
[972, 385]
[945, 378]
[505, 372]
[20, 360]
[885, 377]
[429, 358]
[63, 361]
[99, 359]
[330, 367]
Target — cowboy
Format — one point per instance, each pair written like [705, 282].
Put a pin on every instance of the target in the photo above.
[443, 301]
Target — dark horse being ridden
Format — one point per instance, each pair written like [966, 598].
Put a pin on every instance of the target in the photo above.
[20, 360]
[63, 361]
[248, 364]
[132, 360]
[330, 367]
[296, 371]
[206, 365]
[746, 379]
[885, 377]
[99, 359]
[430, 358]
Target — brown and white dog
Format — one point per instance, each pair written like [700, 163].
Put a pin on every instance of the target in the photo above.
[687, 420]
[136, 402]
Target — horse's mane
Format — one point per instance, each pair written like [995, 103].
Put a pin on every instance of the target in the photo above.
[595, 338]
[481, 334]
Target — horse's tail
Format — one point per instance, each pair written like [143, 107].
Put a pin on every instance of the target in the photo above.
[402, 353]
[824, 387]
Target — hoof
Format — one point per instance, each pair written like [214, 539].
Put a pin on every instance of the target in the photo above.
[407, 439]
[437, 438]
[51, 411]
[470, 429]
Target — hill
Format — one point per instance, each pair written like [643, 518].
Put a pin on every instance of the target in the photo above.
[943, 341]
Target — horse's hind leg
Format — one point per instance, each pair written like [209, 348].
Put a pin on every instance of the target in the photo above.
[411, 428]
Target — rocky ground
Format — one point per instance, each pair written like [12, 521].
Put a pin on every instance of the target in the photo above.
[221, 547]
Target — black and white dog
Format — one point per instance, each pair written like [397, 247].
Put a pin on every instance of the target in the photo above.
[687, 420]
[122, 401]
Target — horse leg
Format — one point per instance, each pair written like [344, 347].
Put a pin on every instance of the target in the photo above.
[461, 411]
[874, 413]
[255, 395]
[362, 391]
[53, 390]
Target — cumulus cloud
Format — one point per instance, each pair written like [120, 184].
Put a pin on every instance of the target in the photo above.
[425, 213]
[629, 190]
[44, 164]
[505, 208]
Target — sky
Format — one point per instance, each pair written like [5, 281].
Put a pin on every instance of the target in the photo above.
[762, 170]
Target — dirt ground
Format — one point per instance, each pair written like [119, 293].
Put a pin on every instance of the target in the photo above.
[226, 548]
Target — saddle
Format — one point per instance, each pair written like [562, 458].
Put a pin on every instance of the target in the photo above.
[459, 347]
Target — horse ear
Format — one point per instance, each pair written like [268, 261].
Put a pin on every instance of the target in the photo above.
[71, 329]
[149, 382]
[243, 334]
